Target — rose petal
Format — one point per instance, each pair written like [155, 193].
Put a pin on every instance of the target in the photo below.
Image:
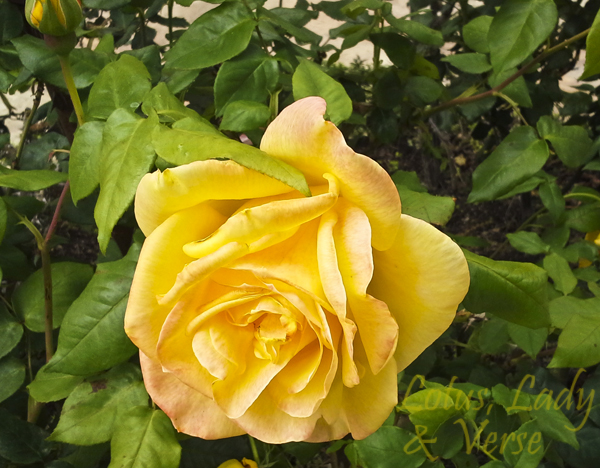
[333, 286]
[422, 279]
[363, 408]
[268, 423]
[161, 260]
[251, 224]
[175, 349]
[160, 194]
[304, 403]
[293, 260]
[377, 328]
[237, 393]
[300, 137]
[190, 411]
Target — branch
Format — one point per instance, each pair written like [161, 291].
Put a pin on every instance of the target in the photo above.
[477, 97]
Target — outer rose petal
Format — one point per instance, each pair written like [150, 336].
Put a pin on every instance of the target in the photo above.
[160, 194]
[360, 410]
[161, 260]
[300, 137]
[190, 411]
[422, 278]
[269, 424]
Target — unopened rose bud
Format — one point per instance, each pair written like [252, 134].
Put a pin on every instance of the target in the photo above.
[236, 464]
[54, 17]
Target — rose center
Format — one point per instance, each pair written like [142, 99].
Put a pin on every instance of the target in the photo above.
[271, 331]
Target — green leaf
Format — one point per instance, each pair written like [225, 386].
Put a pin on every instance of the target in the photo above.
[359, 34]
[241, 116]
[520, 155]
[180, 146]
[310, 80]
[30, 181]
[215, 37]
[20, 441]
[430, 408]
[422, 90]
[552, 199]
[415, 30]
[43, 63]
[300, 33]
[68, 280]
[525, 449]
[144, 437]
[36, 153]
[167, 106]
[11, 22]
[492, 337]
[84, 160]
[517, 90]
[517, 30]
[11, 331]
[584, 218]
[449, 440]
[475, 34]
[92, 337]
[563, 308]
[409, 180]
[150, 57]
[248, 77]
[551, 420]
[385, 449]
[358, 7]
[559, 270]
[120, 85]
[572, 143]
[529, 340]
[398, 48]
[513, 291]
[127, 155]
[469, 63]
[52, 386]
[579, 342]
[12, 376]
[528, 242]
[430, 208]
[91, 411]
[512, 400]
[592, 50]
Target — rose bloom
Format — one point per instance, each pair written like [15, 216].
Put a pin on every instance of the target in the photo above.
[259, 310]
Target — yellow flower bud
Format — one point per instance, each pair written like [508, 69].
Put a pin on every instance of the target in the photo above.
[54, 17]
[236, 464]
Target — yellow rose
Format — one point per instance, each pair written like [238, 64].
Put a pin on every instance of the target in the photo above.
[260, 311]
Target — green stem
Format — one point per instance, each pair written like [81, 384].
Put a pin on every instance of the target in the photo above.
[254, 449]
[585, 195]
[467, 100]
[274, 104]
[7, 103]
[47, 271]
[514, 106]
[68, 76]
[142, 26]
[36, 103]
[170, 18]
[520, 228]
[376, 48]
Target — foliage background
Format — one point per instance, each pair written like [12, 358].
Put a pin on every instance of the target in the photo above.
[509, 169]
